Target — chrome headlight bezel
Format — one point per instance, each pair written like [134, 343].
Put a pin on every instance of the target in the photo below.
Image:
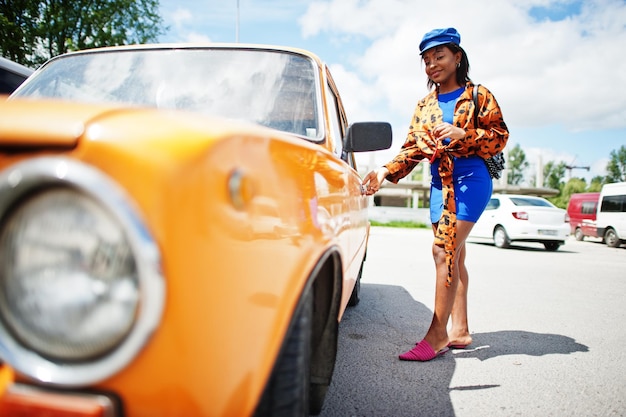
[23, 178]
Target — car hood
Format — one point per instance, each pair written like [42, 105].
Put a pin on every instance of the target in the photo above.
[33, 124]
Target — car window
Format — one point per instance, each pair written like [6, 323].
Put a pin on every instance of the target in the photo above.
[12, 75]
[9, 81]
[334, 120]
[527, 201]
[493, 204]
[272, 88]
[589, 207]
[613, 204]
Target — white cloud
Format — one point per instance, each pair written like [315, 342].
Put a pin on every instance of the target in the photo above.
[196, 37]
[599, 167]
[183, 21]
[361, 104]
[367, 18]
[181, 16]
[270, 10]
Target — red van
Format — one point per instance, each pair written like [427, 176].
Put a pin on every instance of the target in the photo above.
[582, 209]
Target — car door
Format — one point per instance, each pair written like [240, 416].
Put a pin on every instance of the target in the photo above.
[485, 224]
[588, 213]
[354, 217]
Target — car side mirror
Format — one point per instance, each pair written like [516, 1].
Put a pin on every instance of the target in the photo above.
[367, 137]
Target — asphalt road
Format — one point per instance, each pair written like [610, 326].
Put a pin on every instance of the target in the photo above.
[549, 332]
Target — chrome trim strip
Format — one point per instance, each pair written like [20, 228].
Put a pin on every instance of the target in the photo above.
[57, 399]
[23, 177]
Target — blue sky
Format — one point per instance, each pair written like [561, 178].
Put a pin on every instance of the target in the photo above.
[555, 67]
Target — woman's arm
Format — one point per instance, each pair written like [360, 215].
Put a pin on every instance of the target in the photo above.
[420, 142]
[403, 163]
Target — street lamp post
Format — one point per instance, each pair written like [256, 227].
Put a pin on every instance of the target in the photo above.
[237, 24]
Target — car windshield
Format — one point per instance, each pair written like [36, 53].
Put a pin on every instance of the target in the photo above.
[271, 88]
[527, 201]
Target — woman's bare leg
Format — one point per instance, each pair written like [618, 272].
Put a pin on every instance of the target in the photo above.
[459, 334]
[445, 296]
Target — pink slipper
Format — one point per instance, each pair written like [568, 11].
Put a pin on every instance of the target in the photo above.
[457, 346]
[422, 352]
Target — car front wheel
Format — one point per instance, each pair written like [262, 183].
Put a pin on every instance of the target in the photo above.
[500, 238]
[287, 392]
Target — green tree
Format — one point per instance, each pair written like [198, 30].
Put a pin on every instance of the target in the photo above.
[33, 31]
[596, 184]
[517, 164]
[553, 175]
[616, 168]
[18, 30]
[573, 186]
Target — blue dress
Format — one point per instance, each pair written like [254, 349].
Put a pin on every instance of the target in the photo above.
[472, 183]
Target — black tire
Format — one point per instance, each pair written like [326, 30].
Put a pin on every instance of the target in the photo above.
[611, 239]
[355, 297]
[318, 394]
[551, 246]
[500, 238]
[287, 391]
[578, 234]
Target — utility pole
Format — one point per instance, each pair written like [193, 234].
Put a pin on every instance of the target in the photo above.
[237, 24]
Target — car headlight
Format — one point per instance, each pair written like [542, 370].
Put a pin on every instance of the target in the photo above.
[69, 285]
[81, 286]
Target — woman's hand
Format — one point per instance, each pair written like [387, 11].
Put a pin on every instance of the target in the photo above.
[446, 130]
[373, 180]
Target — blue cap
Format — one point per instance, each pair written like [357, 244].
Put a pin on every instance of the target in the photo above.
[438, 37]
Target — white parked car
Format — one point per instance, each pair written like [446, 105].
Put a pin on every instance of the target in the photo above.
[522, 218]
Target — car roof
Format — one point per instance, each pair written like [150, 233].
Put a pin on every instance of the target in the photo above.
[585, 195]
[14, 67]
[199, 45]
[517, 196]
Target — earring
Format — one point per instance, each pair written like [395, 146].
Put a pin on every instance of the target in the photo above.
[458, 65]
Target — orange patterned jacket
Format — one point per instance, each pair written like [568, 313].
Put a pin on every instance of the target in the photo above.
[484, 140]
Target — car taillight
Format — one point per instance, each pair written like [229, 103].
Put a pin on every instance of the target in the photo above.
[520, 215]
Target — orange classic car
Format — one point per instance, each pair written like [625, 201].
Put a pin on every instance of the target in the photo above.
[181, 230]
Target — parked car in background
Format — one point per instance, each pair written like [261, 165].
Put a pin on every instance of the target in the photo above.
[181, 230]
[512, 218]
[582, 208]
[12, 75]
[611, 216]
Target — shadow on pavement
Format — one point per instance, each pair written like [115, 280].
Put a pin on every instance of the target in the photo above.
[518, 342]
[523, 246]
[369, 379]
